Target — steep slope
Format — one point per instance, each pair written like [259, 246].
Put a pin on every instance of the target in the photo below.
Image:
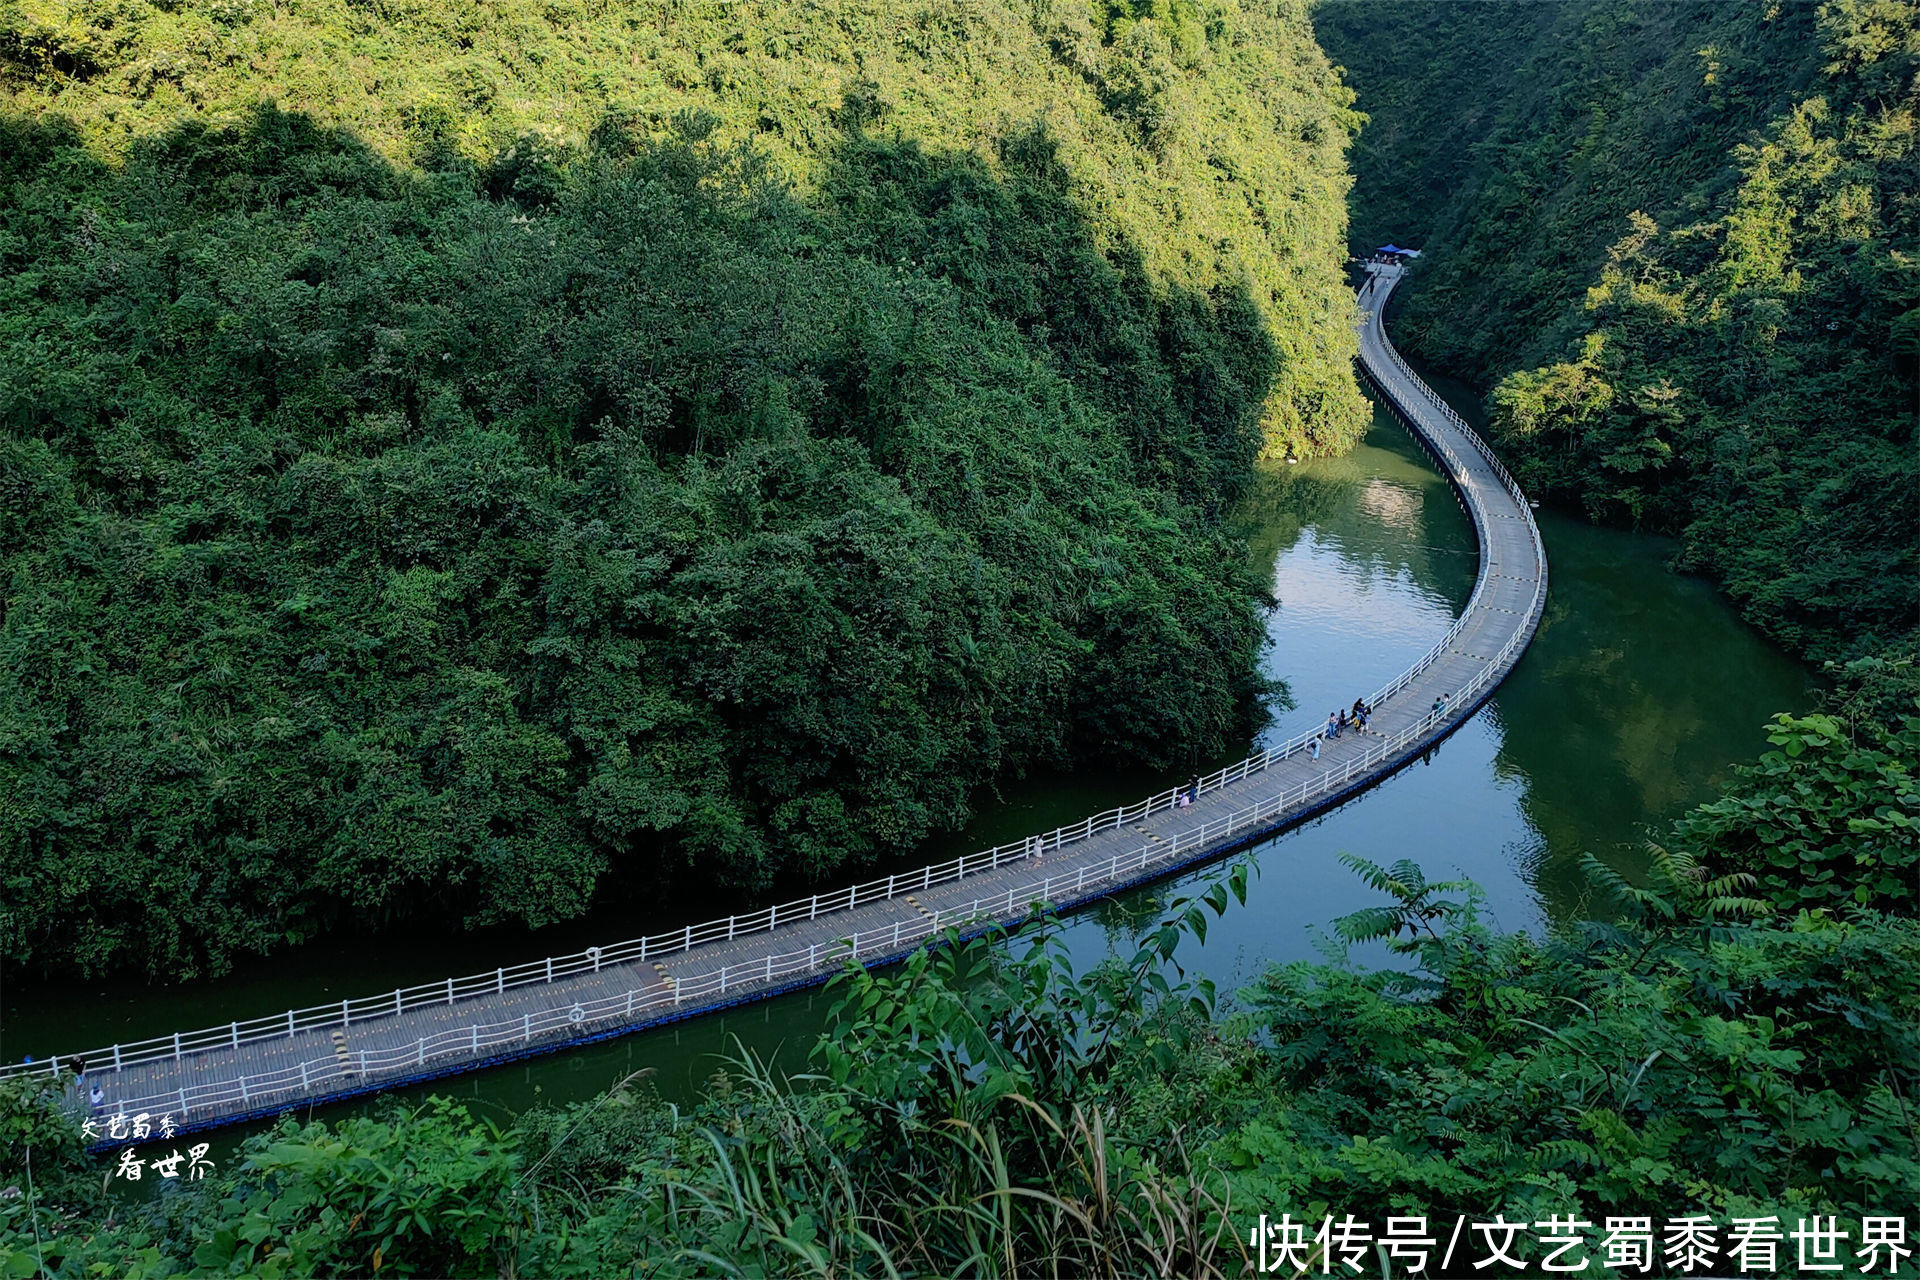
[461, 461]
[1681, 238]
[1206, 142]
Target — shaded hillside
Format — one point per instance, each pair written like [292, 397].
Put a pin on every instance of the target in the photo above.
[1681, 238]
[1205, 146]
[560, 449]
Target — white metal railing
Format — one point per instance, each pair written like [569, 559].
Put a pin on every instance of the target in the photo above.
[364, 1064]
[1432, 398]
[361, 1067]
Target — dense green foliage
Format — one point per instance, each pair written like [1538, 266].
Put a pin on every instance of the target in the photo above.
[564, 450]
[1827, 814]
[986, 1110]
[1204, 145]
[1685, 240]
[455, 517]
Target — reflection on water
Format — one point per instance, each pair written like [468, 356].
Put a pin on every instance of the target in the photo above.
[1371, 559]
[1632, 702]
[1394, 506]
[1639, 693]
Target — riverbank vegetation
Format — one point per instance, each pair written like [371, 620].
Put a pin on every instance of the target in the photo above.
[458, 466]
[1721, 1043]
[411, 519]
[1680, 243]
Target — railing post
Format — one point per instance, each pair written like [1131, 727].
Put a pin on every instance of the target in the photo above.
[176, 1046]
[526, 1027]
[346, 1015]
[896, 933]
[289, 1025]
[889, 886]
[116, 1055]
[420, 1053]
[813, 907]
[769, 966]
[474, 1027]
[399, 1002]
[813, 959]
[499, 981]
[303, 1077]
[235, 1027]
[183, 1101]
[730, 928]
[549, 968]
[643, 947]
[926, 877]
[686, 939]
[449, 991]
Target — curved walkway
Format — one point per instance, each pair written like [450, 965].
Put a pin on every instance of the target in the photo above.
[245, 1070]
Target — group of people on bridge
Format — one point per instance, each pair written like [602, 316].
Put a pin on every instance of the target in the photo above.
[1357, 718]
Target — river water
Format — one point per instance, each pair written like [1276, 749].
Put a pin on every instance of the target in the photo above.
[1640, 692]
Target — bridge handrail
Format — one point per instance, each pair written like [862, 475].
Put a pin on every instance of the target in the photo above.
[1447, 411]
[259, 1089]
[449, 991]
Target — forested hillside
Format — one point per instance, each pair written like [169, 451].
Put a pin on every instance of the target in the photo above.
[460, 461]
[1681, 242]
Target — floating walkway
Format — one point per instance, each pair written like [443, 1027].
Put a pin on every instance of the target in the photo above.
[260, 1066]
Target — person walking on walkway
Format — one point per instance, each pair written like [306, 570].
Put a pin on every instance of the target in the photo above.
[1342, 726]
[1333, 726]
[1314, 747]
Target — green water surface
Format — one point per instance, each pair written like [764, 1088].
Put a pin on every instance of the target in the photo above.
[1640, 692]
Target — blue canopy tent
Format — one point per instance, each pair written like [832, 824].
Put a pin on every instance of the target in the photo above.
[1394, 248]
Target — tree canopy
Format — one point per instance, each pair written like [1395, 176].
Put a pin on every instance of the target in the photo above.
[1682, 240]
[459, 465]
